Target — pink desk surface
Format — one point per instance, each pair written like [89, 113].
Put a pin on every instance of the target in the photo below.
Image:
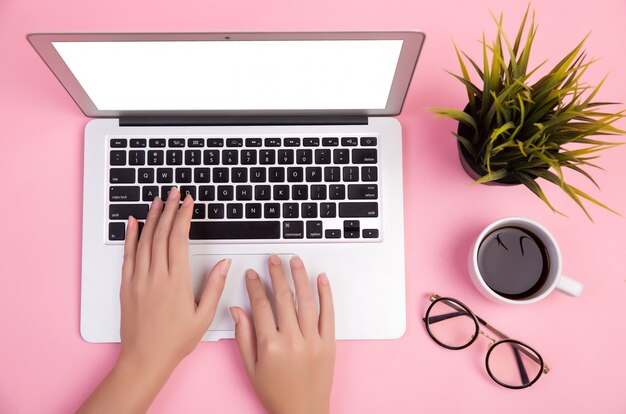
[45, 366]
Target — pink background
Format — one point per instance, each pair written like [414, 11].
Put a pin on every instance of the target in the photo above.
[45, 366]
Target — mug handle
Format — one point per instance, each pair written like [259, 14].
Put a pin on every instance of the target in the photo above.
[569, 286]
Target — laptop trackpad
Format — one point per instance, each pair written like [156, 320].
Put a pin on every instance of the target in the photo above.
[235, 293]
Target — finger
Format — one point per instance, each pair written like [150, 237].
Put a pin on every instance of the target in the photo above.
[262, 314]
[327, 310]
[212, 292]
[178, 244]
[144, 247]
[283, 296]
[162, 232]
[246, 341]
[307, 308]
[130, 250]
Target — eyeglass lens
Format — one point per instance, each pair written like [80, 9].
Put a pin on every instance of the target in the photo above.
[513, 364]
[450, 324]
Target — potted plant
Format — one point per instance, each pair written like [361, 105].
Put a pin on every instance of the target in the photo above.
[518, 127]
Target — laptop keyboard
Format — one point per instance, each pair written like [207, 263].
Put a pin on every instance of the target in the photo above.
[254, 189]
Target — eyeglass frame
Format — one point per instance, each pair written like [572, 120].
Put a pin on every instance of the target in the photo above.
[435, 298]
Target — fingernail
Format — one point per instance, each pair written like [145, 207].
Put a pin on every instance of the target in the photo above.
[131, 222]
[275, 260]
[296, 262]
[235, 315]
[251, 274]
[156, 203]
[187, 201]
[172, 195]
[225, 266]
[323, 278]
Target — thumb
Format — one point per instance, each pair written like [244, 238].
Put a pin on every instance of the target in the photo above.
[246, 339]
[212, 291]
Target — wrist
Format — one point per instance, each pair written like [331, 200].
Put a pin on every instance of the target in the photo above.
[138, 366]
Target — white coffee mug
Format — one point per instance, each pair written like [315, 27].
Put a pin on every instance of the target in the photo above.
[555, 280]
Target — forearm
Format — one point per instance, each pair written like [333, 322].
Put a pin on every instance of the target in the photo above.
[130, 387]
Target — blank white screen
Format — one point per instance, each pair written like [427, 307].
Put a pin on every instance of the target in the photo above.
[234, 75]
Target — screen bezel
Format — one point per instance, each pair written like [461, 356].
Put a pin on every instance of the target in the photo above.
[411, 47]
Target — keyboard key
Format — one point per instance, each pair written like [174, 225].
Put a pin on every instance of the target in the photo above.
[195, 143]
[183, 175]
[138, 143]
[364, 156]
[285, 156]
[313, 174]
[117, 158]
[368, 141]
[211, 157]
[314, 229]
[337, 192]
[262, 192]
[311, 142]
[369, 173]
[117, 231]
[351, 229]
[234, 142]
[267, 157]
[349, 142]
[290, 210]
[254, 210]
[281, 192]
[146, 175]
[192, 157]
[119, 143]
[370, 233]
[220, 175]
[293, 230]
[332, 234]
[277, 175]
[272, 142]
[165, 175]
[351, 173]
[122, 211]
[234, 210]
[291, 142]
[186, 190]
[155, 157]
[212, 230]
[358, 209]
[331, 174]
[149, 193]
[199, 211]
[295, 174]
[122, 175]
[230, 157]
[165, 192]
[157, 143]
[176, 142]
[243, 192]
[225, 192]
[124, 193]
[271, 210]
[304, 156]
[215, 142]
[309, 210]
[215, 211]
[206, 193]
[330, 142]
[362, 191]
[300, 192]
[174, 157]
[254, 142]
[258, 175]
[328, 210]
[341, 156]
[318, 192]
[322, 156]
[248, 157]
[239, 175]
[202, 175]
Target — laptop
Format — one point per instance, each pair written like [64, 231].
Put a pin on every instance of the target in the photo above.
[286, 141]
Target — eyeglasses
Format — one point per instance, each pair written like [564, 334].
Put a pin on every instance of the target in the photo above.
[509, 362]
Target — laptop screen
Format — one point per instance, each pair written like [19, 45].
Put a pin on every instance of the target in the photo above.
[234, 75]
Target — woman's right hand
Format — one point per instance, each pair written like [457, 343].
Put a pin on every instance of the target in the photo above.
[290, 365]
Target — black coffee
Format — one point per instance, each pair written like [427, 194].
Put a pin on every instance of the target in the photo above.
[513, 262]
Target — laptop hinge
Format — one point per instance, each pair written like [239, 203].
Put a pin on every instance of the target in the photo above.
[242, 120]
